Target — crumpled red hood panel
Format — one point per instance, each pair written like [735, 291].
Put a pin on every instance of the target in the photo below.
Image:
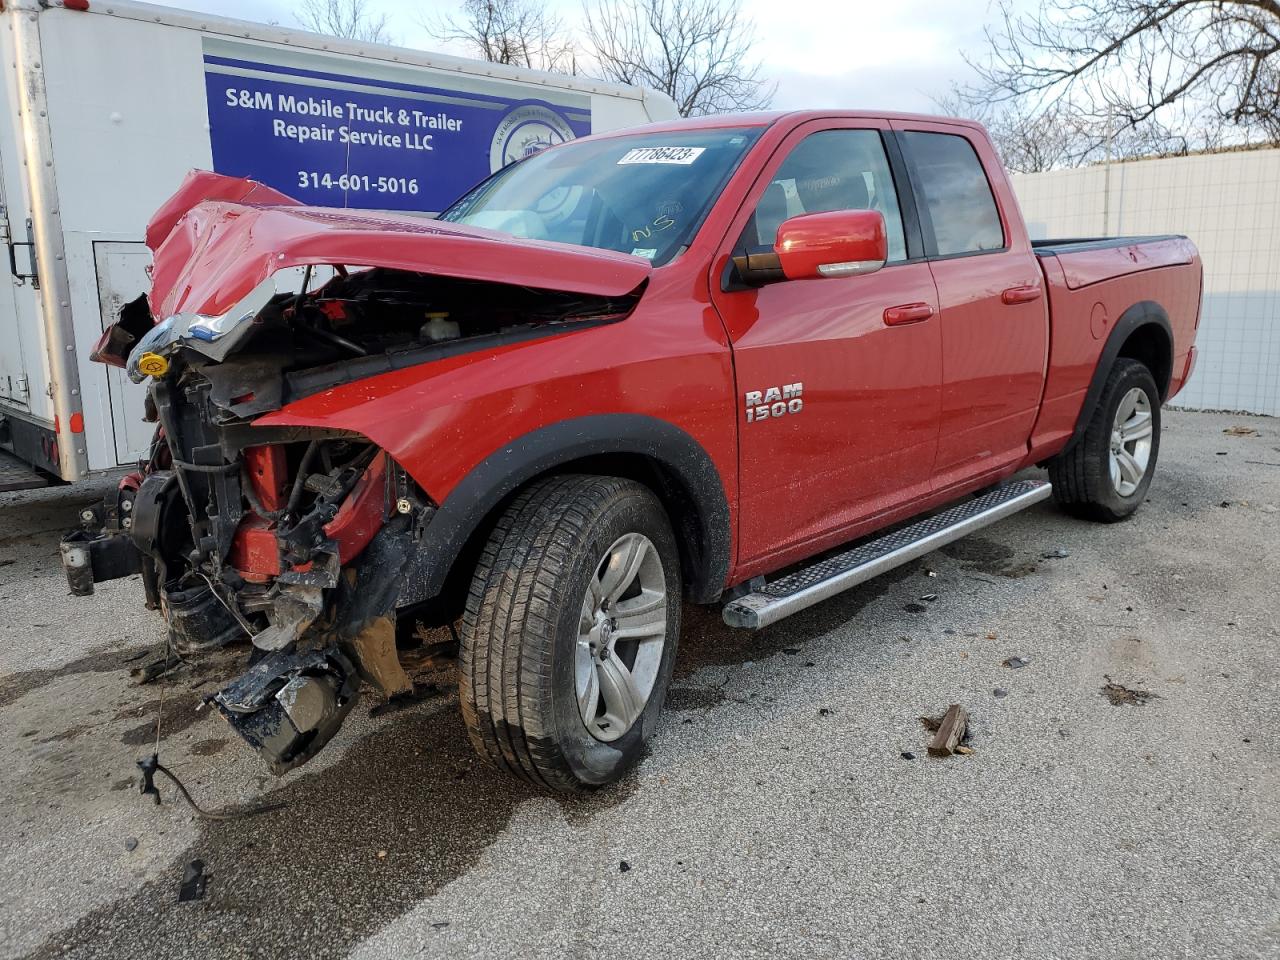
[219, 237]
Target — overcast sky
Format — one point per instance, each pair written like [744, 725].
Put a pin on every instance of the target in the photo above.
[858, 54]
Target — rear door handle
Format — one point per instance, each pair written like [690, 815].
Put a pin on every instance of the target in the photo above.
[1020, 295]
[907, 313]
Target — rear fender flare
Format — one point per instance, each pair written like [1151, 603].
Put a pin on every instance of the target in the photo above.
[544, 450]
[1141, 314]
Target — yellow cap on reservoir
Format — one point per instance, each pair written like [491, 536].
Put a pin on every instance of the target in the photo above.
[153, 365]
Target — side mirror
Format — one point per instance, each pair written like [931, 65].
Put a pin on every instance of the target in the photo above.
[838, 243]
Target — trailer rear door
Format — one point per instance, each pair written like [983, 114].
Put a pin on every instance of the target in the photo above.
[122, 273]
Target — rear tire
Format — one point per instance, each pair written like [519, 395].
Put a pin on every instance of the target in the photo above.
[1105, 475]
[579, 582]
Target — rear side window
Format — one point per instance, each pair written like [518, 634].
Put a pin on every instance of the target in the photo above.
[956, 193]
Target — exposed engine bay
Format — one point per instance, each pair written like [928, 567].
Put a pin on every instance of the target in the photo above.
[298, 542]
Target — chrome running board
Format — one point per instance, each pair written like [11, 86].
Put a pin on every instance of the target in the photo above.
[803, 588]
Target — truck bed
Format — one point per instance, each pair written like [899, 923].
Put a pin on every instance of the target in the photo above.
[1089, 260]
[1093, 285]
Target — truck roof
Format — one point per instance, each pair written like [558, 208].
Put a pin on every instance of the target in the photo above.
[792, 117]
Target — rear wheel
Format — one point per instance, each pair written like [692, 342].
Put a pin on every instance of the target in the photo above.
[570, 631]
[1105, 475]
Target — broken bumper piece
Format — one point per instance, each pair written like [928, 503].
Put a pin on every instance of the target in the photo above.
[91, 558]
[289, 705]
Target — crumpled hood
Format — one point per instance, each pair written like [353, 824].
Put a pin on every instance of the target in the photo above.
[219, 237]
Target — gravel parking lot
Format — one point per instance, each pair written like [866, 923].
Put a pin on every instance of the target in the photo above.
[778, 813]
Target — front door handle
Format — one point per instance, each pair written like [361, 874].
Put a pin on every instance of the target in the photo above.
[1014, 295]
[907, 313]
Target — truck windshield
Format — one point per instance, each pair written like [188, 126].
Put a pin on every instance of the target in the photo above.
[645, 194]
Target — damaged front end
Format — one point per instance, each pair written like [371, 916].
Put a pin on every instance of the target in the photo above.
[301, 542]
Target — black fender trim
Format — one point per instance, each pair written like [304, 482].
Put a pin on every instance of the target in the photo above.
[681, 458]
[1141, 314]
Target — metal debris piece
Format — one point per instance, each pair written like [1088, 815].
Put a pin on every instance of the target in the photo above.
[950, 731]
[194, 881]
[929, 597]
[1014, 663]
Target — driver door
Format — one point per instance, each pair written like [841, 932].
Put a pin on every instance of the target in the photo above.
[838, 398]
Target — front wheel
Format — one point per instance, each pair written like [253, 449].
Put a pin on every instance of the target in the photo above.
[1105, 475]
[570, 631]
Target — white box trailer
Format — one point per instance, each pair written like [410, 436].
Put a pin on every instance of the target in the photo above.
[109, 103]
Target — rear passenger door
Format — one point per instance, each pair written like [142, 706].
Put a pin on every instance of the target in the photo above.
[994, 326]
[837, 405]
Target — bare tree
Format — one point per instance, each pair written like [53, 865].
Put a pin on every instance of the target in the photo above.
[1028, 142]
[519, 32]
[698, 52]
[345, 18]
[1155, 76]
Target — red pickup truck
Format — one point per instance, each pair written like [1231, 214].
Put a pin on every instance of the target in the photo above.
[749, 360]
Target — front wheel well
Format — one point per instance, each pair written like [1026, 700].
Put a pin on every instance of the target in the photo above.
[648, 449]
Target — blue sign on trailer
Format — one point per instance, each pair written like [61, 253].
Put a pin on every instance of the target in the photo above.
[383, 139]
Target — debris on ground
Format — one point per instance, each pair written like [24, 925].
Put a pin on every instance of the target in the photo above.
[1060, 554]
[194, 880]
[908, 755]
[950, 732]
[623, 866]
[154, 670]
[1014, 663]
[999, 693]
[824, 711]
[929, 597]
[131, 843]
[402, 701]
[931, 723]
[1119, 694]
[1238, 431]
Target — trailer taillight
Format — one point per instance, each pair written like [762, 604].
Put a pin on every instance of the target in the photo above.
[81, 5]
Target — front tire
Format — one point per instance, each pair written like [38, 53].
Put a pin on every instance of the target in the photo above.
[1105, 475]
[570, 631]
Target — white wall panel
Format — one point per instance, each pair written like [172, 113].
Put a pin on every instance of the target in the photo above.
[1229, 205]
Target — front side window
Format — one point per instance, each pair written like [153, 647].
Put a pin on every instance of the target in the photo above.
[645, 194]
[829, 170]
[956, 193]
